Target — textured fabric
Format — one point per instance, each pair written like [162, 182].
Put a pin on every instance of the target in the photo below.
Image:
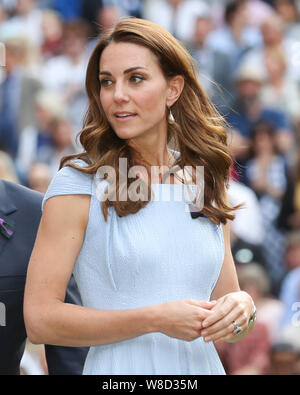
[158, 255]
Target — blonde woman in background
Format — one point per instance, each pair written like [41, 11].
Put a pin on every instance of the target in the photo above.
[280, 91]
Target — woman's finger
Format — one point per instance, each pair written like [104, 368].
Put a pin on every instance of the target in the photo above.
[234, 315]
[224, 338]
[226, 331]
[203, 303]
[218, 335]
[220, 310]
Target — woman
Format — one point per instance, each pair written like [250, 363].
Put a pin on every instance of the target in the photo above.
[280, 91]
[289, 217]
[143, 269]
[266, 173]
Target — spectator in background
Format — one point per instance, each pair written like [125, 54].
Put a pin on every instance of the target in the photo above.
[127, 7]
[107, 17]
[266, 174]
[177, 16]
[89, 12]
[270, 2]
[39, 177]
[247, 231]
[36, 140]
[236, 37]
[3, 14]
[297, 364]
[52, 28]
[280, 91]
[290, 287]
[7, 168]
[289, 217]
[65, 74]
[62, 144]
[257, 11]
[238, 191]
[214, 65]
[283, 359]
[239, 149]
[17, 94]
[25, 23]
[273, 33]
[9, 5]
[247, 109]
[289, 12]
[69, 10]
[254, 279]
[46, 4]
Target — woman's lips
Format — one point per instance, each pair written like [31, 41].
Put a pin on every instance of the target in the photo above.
[124, 117]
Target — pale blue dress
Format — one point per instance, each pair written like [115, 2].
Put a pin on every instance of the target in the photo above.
[157, 255]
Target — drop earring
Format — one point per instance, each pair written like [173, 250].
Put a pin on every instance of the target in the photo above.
[171, 117]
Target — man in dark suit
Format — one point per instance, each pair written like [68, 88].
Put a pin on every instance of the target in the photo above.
[20, 212]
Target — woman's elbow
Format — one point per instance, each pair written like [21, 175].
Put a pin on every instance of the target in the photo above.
[33, 336]
[34, 324]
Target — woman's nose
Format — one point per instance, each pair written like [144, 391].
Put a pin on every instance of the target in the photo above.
[120, 93]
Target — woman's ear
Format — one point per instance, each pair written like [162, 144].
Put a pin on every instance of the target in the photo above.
[175, 87]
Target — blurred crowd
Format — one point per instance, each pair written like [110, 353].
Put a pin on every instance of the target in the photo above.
[247, 58]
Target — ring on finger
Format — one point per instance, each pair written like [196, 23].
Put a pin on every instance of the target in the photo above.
[236, 328]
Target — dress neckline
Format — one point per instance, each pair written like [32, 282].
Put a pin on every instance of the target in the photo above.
[173, 192]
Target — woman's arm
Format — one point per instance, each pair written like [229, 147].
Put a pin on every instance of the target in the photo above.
[49, 320]
[232, 304]
[228, 280]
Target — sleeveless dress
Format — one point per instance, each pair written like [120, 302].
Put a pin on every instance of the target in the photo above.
[157, 255]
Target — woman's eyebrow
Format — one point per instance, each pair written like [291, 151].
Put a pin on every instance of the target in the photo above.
[125, 71]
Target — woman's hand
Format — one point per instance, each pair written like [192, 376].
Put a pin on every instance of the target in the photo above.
[235, 306]
[183, 319]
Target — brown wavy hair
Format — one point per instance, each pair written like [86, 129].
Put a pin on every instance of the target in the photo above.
[198, 132]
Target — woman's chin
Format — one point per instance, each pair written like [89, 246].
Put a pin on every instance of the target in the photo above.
[126, 134]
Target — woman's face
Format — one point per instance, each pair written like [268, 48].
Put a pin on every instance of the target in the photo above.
[134, 91]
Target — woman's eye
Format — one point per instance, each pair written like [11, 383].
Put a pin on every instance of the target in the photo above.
[136, 78]
[105, 82]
